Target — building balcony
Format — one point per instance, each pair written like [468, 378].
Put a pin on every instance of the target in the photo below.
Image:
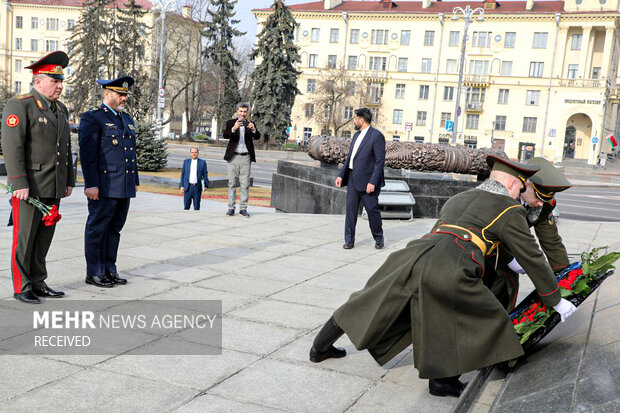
[589, 83]
[375, 75]
[372, 101]
[477, 80]
[473, 107]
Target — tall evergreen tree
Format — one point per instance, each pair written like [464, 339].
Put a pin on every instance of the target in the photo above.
[151, 152]
[131, 30]
[219, 33]
[88, 52]
[275, 77]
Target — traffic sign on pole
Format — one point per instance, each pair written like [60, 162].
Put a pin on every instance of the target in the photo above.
[161, 92]
[594, 139]
[449, 125]
[408, 126]
[458, 111]
[161, 102]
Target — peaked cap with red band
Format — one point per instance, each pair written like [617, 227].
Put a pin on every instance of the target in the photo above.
[51, 65]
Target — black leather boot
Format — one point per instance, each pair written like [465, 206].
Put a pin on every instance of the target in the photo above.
[323, 345]
[447, 386]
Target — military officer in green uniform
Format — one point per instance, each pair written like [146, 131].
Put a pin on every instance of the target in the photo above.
[37, 153]
[430, 294]
[502, 269]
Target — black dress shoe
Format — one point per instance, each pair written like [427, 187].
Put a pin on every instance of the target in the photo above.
[113, 276]
[347, 246]
[45, 291]
[27, 297]
[332, 353]
[230, 212]
[379, 245]
[99, 281]
[449, 386]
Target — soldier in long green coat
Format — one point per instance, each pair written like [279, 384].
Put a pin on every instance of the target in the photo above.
[502, 269]
[431, 292]
[37, 152]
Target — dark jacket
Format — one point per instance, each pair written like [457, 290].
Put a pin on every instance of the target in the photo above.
[368, 162]
[37, 146]
[108, 152]
[233, 140]
[201, 173]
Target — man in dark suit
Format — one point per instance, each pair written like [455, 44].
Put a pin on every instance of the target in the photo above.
[362, 174]
[194, 172]
[37, 152]
[107, 139]
[241, 134]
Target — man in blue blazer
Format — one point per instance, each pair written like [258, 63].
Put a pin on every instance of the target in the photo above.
[194, 172]
[362, 174]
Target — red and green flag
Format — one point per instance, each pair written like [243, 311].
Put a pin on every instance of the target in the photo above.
[612, 140]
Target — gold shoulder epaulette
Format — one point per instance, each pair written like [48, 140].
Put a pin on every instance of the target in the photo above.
[25, 96]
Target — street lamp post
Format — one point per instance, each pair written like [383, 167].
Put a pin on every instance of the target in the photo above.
[467, 13]
[163, 8]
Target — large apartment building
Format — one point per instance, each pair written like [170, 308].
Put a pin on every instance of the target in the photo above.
[539, 77]
[30, 29]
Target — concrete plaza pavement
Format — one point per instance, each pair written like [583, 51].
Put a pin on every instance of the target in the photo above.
[280, 276]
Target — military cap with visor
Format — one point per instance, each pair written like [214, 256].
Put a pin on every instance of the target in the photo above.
[119, 85]
[548, 180]
[516, 169]
[51, 65]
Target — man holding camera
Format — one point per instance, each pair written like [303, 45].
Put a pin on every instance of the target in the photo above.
[239, 155]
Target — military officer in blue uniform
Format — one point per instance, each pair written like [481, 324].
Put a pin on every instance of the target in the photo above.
[107, 138]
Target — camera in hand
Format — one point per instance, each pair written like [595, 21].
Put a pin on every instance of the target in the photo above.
[245, 122]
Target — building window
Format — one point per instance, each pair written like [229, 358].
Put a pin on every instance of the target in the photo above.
[572, 71]
[479, 67]
[18, 87]
[71, 24]
[471, 121]
[402, 64]
[18, 43]
[448, 92]
[377, 63]
[19, 22]
[34, 23]
[400, 91]
[426, 65]
[575, 43]
[307, 133]
[470, 142]
[348, 112]
[500, 123]
[315, 35]
[509, 39]
[451, 66]
[355, 36]
[532, 97]
[482, 39]
[396, 138]
[312, 60]
[502, 97]
[350, 86]
[529, 124]
[309, 109]
[352, 63]
[536, 69]
[429, 37]
[424, 92]
[311, 86]
[421, 118]
[445, 117]
[379, 36]
[454, 39]
[34, 45]
[375, 113]
[375, 91]
[333, 35]
[405, 37]
[506, 68]
[398, 116]
[331, 61]
[51, 45]
[326, 111]
[596, 72]
[540, 40]
[52, 24]
[18, 65]
[476, 94]
[418, 139]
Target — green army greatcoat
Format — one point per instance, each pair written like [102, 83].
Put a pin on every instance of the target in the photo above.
[37, 146]
[431, 292]
[503, 282]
